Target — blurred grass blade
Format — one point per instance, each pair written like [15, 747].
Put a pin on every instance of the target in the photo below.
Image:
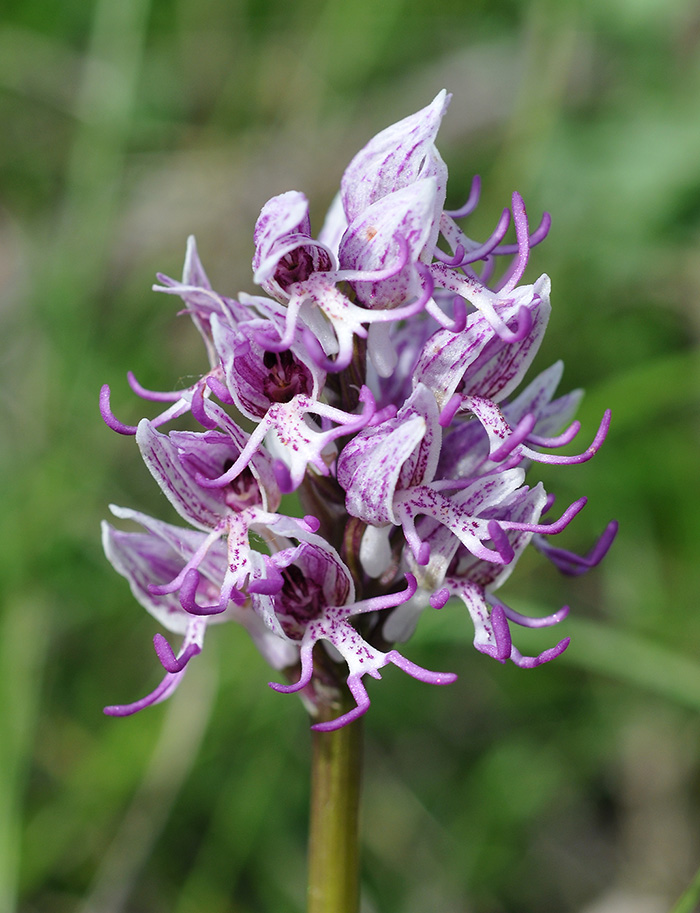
[104, 112]
[599, 647]
[175, 753]
[688, 903]
[23, 641]
[646, 391]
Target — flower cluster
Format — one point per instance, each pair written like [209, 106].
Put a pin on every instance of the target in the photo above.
[375, 378]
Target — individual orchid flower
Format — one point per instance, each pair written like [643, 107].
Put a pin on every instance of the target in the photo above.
[179, 459]
[305, 594]
[387, 473]
[285, 252]
[457, 572]
[527, 422]
[383, 251]
[256, 377]
[156, 556]
[506, 441]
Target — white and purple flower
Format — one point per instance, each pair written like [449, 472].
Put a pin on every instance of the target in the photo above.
[376, 378]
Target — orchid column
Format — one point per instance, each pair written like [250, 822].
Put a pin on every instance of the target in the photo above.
[378, 375]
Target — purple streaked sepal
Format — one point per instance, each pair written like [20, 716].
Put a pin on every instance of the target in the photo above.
[201, 301]
[177, 459]
[401, 452]
[477, 361]
[285, 252]
[371, 243]
[397, 157]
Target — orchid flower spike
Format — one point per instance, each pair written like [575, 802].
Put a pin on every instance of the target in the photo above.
[378, 372]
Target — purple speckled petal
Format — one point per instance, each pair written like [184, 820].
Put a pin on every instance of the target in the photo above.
[399, 453]
[395, 158]
[327, 321]
[331, 624]
[370, 243]
[315, 602]
[156, 557]
[476, 361]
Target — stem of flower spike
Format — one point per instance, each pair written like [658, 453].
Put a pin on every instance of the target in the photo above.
[334, 858]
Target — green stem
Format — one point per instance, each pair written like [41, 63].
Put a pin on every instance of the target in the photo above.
[333, 830]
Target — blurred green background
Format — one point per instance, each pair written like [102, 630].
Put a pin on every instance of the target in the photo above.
[127, 125]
